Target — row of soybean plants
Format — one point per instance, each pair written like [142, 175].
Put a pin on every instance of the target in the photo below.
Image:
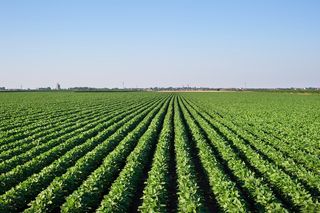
[283, 157]
[89, 194]
[36, 161]
[291, 118]
[233, 183]
[91, 115]
[287, 160]
[24, 109]
[301, 156]
[54, 196]
[224, 190]
[18, 131]
[124, 191]
[306, 144]
[18, 120]
[156, 190]
[190, 198]
[21, 125]
[56, 161]
[296, 148]
[43, 126]
[286, 189]
[49, 114]
[68, 125]
[294, 124]
[298, 123]
[33, 149]
[156, 194]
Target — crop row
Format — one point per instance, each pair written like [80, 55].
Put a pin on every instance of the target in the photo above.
[159, 152]
[16, 197]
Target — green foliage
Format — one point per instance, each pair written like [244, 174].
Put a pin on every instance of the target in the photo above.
[122, 152]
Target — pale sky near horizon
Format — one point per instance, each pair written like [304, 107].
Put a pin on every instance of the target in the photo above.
[260, 43]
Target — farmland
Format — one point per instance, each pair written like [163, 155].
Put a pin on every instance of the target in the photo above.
[159, 152]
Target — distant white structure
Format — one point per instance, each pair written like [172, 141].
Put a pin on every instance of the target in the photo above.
[58, 86]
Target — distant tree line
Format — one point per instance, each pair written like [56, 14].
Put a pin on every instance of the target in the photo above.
[93, 89]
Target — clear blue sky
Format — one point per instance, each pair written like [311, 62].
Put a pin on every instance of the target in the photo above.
[265, 43]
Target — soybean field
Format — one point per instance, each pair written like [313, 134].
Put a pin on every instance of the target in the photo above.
[159, 152]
